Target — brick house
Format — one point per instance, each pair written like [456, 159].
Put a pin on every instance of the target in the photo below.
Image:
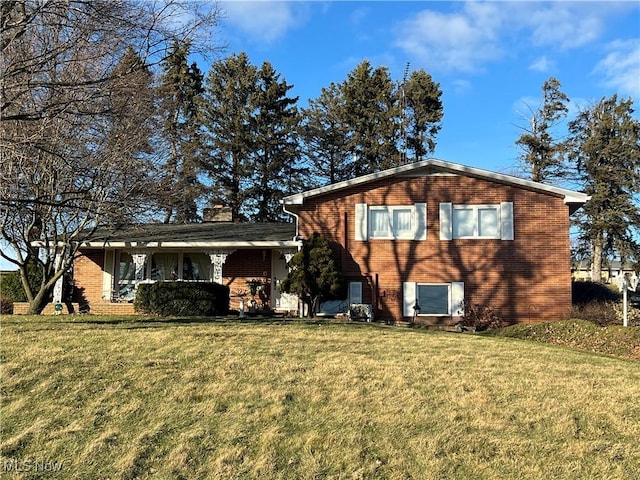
[437, 235]
[430, 234]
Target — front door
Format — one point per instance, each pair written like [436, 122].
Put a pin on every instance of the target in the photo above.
[280, 301]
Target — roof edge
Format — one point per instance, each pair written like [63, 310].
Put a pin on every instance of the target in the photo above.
[570, 196]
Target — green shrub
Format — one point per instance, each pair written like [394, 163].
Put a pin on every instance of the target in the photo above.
[182, 298]
[11, 284]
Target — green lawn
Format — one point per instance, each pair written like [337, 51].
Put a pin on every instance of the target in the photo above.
[109, 399]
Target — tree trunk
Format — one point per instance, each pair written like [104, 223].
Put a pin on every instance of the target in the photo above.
[596, 260]
[36, 306]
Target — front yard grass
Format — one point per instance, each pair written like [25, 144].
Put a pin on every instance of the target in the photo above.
[124, 398]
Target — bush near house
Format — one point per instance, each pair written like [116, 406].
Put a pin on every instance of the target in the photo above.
[583, 292]
[182, 298]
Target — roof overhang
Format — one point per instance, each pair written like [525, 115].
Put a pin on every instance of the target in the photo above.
[433, 166]
[203, 236]
[187, 245]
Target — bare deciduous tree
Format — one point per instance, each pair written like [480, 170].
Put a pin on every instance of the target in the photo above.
[76, 117]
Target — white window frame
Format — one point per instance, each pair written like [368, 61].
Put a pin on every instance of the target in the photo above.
[392, 232]
[455, 290]
[449, 302]
[505, 221]
[476, 216]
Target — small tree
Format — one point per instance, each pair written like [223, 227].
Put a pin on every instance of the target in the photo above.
[314, 274]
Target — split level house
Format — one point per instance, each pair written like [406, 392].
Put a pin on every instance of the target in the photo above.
[415, 243]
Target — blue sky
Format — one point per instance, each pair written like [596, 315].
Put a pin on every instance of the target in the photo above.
[490, 58]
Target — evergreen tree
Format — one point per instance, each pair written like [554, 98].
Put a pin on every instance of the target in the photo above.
[274, 147]
[314, 274]
[228, 117]
[180, 91]
[132, 108]
[542, 154]
[605, 144]
[424, 112]
[371, 115]
[325, 137]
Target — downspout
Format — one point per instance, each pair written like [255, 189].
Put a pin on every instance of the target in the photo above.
[296, 239]
[295, 215]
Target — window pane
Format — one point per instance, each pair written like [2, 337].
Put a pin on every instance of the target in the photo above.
[433, 299]
[488, 222]
[195, 266]
[164, 266]
[463, 222]
[379, 220]
[127, 269]
[402, 220]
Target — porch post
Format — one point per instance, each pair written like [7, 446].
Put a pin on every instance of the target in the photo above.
[138, 261]
[218, 257]
[57, 287]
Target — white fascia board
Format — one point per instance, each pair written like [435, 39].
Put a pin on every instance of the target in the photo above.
[210, 245]
[570, 196]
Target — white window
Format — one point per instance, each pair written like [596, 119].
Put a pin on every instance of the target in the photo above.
[433, 299]
[391, 222]
[476, 221]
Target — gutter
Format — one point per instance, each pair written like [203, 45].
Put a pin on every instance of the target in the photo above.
[295, 215]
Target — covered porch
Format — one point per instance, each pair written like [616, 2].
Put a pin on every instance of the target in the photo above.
[250, 258]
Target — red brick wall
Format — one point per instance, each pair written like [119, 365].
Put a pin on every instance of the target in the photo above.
[88, 277]
[242, 266]
[527, 279]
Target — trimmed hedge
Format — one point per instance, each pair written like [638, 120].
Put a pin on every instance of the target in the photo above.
[182, 298]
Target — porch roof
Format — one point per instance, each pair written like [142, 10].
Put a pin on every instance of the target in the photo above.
[195, 235]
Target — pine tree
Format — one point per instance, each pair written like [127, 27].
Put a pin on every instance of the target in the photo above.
[325, 137]
[314, 274]
[605, 144]
[371, 115]
[275, 145]
[542, 154]
[180, 90]
[424, 112]
[228, 117]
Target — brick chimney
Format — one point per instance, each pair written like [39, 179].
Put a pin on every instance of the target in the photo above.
[217, 213]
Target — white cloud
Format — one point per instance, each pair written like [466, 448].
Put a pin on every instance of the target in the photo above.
[567, 25]
[264, 21]
[479, 32]
[621, 67]
[458, 41]
[461, 86]
[542, 64]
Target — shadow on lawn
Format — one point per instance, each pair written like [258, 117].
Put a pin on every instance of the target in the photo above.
[137, 322]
